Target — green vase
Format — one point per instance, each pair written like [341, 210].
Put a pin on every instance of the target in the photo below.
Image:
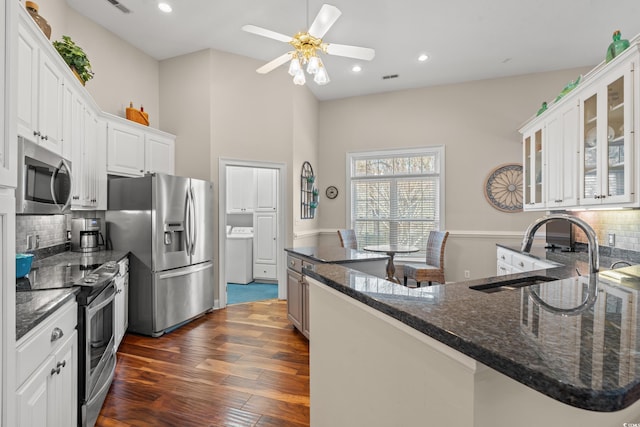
[617, 46]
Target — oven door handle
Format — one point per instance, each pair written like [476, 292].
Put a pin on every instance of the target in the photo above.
[111, 296]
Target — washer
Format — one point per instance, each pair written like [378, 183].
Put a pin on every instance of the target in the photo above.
[239, 261]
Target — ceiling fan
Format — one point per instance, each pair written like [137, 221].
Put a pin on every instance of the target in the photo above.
[307, 47]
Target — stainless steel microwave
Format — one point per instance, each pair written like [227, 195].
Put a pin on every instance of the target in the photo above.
[44, 180]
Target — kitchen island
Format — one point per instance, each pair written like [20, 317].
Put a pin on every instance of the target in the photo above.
[449, 355]
[297, 287]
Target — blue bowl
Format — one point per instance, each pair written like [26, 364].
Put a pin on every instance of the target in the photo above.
[23, 264]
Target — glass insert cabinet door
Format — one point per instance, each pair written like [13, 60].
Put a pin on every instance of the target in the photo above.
[606, 126]
[533, 171]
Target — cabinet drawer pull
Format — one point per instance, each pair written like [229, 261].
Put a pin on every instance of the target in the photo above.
[36, 133]
[521, 264]
[56, 334]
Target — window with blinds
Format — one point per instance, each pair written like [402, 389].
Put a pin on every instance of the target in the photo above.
[396, 196]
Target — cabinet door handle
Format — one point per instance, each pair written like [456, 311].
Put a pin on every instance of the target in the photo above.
[36, 133]
[56, 334]
[62, 364]
[45, 137]
[521, 264]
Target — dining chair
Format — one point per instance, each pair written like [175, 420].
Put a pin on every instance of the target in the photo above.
[348, 238]
[432, 270]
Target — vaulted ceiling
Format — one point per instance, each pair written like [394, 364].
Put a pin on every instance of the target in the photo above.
[465, 40]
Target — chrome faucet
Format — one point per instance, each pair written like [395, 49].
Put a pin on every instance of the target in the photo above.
[594, 257]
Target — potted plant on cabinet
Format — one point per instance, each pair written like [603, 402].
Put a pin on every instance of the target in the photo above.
[75, 57]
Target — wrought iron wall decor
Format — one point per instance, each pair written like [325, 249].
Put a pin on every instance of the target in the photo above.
[308, 192]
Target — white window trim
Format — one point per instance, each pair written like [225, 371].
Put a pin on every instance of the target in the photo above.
[396, 151]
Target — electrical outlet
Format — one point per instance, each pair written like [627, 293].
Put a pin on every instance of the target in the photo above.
[29, 242]
[612, 239]
[467, 274]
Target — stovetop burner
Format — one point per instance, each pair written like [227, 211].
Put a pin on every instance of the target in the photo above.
[67, 276]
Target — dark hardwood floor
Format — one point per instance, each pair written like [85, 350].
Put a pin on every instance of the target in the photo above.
[242, 366]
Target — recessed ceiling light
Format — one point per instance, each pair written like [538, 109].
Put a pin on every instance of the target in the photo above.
[165, 7]
[423, 57]
[356, 68]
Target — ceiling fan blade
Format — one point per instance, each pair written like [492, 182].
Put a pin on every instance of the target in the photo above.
[365, 53]
[269, 66]
[327, 16]
[266, 33]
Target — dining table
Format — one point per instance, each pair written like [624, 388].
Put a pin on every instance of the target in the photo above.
[391, 250]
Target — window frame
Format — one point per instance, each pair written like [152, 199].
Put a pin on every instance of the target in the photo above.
[399, 152]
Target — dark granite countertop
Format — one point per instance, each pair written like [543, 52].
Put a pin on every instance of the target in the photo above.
[334, 254]
[590, 360]
[34, 306]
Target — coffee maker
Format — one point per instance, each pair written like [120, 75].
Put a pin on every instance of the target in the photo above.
[86, 235]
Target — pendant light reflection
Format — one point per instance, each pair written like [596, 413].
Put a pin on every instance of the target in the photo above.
[314, 67]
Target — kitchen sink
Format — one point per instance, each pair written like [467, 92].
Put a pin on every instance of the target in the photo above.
[512, 284]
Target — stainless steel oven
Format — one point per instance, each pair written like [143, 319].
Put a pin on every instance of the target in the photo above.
[44, 180]
[96, 343]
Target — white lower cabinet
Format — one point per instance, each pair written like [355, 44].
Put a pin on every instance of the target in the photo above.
[121, 302]
[265, 245]
[511, 262]
[47, 372]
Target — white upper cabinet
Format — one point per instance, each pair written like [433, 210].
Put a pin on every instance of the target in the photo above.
[125, 152]
[562, 132]
[581, 152]
[241, 189]
[266, 189]
[8, 140]
[133, 150]
[606, 138]
[39, 91]
[534, 173]
[159, 153]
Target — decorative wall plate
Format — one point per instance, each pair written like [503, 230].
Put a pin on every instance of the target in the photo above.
[503, 188]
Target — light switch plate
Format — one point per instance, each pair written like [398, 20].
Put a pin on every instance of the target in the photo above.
[612, 239]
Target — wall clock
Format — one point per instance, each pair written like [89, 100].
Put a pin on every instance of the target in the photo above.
[331, 192]
[503, 188]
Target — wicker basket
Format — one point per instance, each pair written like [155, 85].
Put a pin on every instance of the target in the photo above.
[137, 116]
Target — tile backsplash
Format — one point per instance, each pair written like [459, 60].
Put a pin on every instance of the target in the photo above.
[625, 224]
[47, 230]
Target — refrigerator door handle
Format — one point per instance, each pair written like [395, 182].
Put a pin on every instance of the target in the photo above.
[193, 227]
[187, 271]
[187, 222]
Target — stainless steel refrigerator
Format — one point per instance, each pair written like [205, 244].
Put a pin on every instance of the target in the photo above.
[166, 222]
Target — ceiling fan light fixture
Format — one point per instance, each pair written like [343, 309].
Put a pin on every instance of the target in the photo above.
[308, 46]
[314, 65]
[294, 66]
[321, 77]
[299, 78]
